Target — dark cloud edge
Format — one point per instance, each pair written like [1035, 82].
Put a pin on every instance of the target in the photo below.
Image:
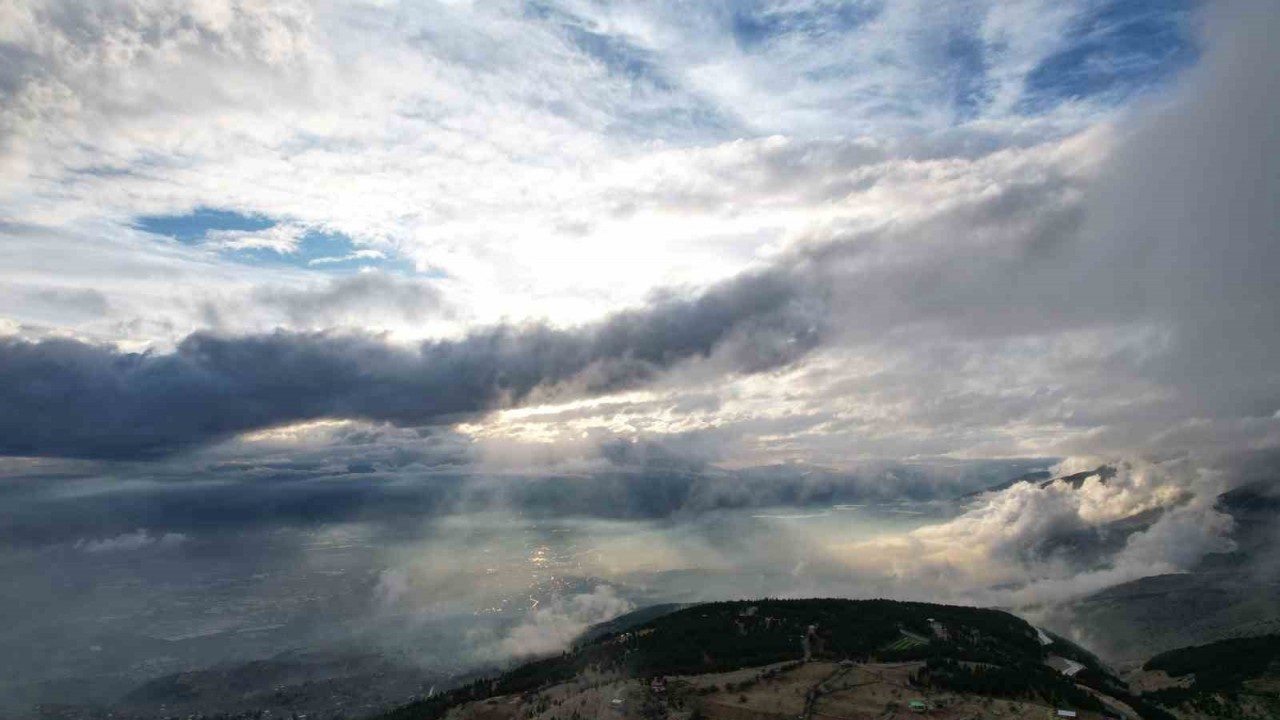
[68, 398]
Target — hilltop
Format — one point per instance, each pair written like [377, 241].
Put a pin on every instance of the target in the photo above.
[755, 660]
[748, 660]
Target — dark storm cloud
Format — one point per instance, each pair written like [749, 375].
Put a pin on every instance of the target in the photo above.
[68, 398]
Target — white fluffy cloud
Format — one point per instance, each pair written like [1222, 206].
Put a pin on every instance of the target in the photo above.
[1028, 545]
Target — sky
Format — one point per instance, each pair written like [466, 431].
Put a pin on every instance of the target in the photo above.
[278, 265]
[799, 232]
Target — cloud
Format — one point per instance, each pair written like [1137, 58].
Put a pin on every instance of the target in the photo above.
[400, 482]
[647, 258]
[970, 291]
[349, 301]
[135, 540]
[1006, 306]
[1027, 545]
[424, 134]
[83, 301]
[68, 398]
[282, 238]
[1183, 206]
[365, 254]
[1100, 294]
[550, 629]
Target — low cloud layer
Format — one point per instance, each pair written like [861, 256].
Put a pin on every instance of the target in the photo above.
[551, 629]
[1033, 544]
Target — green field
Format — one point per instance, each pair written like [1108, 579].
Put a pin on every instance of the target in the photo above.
[904, 643]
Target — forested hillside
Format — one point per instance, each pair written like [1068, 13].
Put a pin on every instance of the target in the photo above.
[961, 649]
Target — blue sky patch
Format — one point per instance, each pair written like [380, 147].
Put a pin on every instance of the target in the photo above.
[661, 105]
[755, 24]
[193, 226]
[620, 57]
[324, 252]
[316, 250]
[966, 59]
[1116, 49]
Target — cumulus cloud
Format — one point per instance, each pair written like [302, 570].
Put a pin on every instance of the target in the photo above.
[1032, 544]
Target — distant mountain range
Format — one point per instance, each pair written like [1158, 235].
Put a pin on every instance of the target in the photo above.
[1044, 479]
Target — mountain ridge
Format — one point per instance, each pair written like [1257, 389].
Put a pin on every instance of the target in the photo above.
[1044, 479]
[960, 655]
